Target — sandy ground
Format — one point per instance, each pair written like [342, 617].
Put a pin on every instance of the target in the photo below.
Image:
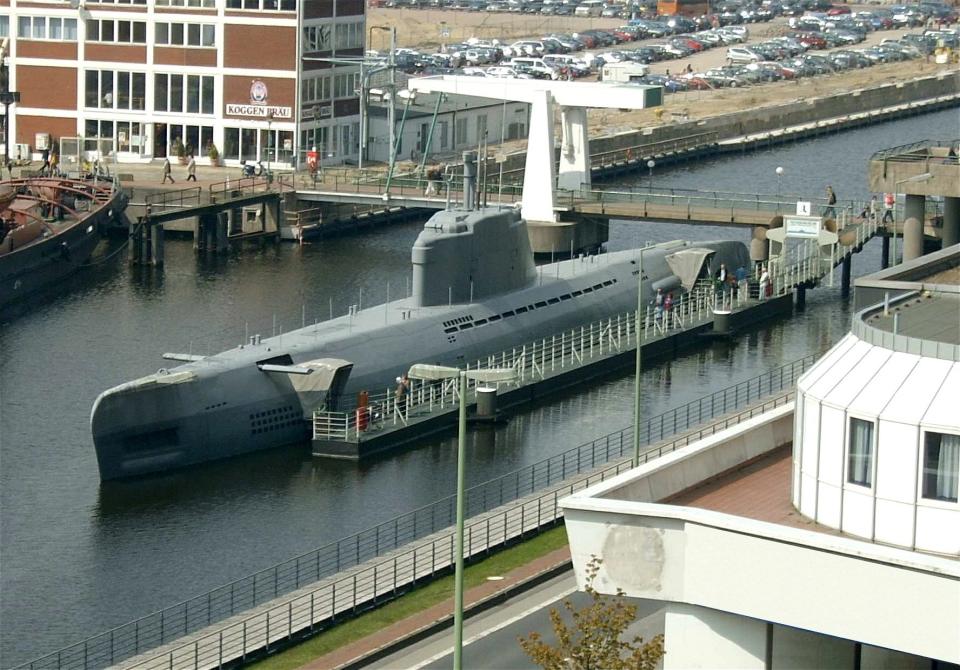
[420, 29]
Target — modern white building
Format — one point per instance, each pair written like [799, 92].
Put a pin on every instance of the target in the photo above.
[826, 536]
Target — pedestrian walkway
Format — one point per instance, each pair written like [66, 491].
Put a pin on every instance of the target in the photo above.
[440, 614]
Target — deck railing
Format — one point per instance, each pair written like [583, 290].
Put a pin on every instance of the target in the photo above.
[533, 361]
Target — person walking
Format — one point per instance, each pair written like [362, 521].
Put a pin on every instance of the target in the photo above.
[166, 172]
[765, 287]
[668, 305]
[431, 182]
[45, 168]
[830, 211]
[889, 199]
[192, 169]
[658, 304]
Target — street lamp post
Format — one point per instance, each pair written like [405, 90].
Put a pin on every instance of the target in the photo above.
[434, 373]
[779, 172]
[636, 384]
[915, 178]
[650, 164]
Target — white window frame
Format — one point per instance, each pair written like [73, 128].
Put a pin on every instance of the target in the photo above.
[921, 470]
[163, 34]
[847, 475]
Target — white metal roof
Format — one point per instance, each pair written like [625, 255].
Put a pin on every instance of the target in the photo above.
[875, 395]
[821, 366]
[917, 391]
[944, 411]
[858, 378]
[839, 368]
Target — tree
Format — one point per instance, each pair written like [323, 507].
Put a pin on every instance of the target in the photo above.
[593, 640]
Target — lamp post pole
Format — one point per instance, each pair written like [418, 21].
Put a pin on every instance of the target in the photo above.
[458, 569]
[779, 172]
[636, 383]
[440, 372]
[650, 164]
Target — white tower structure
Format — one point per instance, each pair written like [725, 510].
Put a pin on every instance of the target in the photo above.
[542, 179]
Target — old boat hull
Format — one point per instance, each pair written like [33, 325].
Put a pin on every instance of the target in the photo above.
[42, 264]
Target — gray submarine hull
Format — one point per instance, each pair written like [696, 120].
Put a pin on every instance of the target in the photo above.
[476, 292]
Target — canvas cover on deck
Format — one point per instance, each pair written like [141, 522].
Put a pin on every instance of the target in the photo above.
[687, 263]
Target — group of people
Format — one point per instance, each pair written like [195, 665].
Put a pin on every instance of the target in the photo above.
[191, 170]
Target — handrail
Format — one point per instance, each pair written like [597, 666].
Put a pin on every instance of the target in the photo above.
[162, 626]
[533, 360]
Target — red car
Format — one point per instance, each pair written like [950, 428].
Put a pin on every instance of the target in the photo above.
[811, 40]
[837, 10]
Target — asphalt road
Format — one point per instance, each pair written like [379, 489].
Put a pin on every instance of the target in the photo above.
[491, 638]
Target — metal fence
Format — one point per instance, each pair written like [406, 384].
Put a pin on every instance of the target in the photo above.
[173, 622]
[533, 361]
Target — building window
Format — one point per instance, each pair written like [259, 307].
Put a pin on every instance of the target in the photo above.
[116, 32]
[348, 35]
[481, 127]
[460, 132]
[860, 458]
[317, 38]
[196, 139]
[941, 466]
[185, 34]
[177, 92]
[106, 89]
[316, 89]
[43, 28]
[186, 3]
[346, 85]
[264, 5]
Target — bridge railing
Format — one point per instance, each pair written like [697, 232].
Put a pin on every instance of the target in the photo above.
[166, 625]
[689, 199]
[642, 151]
[233, 188]
[181, 198]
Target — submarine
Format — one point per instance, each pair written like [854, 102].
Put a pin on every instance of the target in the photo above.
[475, 291]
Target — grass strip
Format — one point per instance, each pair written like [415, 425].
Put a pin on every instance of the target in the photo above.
[416, 601]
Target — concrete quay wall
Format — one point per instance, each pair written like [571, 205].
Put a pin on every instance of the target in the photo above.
[770, 118]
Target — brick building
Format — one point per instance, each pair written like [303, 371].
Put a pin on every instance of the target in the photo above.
[146, 73]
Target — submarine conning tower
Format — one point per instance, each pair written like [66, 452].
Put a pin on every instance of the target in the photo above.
[463, 255]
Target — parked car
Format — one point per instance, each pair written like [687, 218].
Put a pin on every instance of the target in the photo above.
[743, 55]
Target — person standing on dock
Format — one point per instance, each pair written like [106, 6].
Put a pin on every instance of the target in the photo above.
[403, 387]
[831, 210]
[166, 172]
[192, 169]
[764, 284]
[889, 199]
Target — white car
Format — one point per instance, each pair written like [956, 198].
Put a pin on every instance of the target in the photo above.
[504, 72]
[743, 55]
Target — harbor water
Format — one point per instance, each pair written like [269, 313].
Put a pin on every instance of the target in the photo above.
[78, 557]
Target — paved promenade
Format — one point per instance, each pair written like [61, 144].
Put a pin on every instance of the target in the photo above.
[442, 614]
